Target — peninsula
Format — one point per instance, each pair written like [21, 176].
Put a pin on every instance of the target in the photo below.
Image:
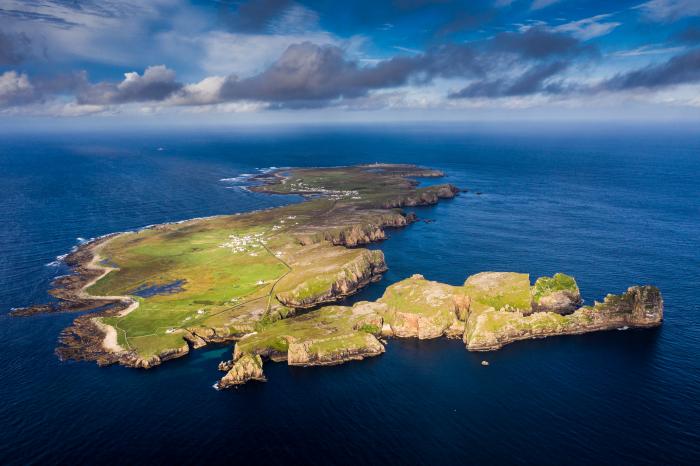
[268, 280]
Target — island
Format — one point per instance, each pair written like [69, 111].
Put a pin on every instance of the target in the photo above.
[270, 281]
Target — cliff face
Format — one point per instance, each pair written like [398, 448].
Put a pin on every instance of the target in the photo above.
[640, 306]
[334, 285]
[420, 308]
[334, 350]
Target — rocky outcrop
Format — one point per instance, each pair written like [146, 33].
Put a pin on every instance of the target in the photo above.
[559, 294]
[247, 367]
[335, 350]
[423, 309]
[491, 310]
[639, 306]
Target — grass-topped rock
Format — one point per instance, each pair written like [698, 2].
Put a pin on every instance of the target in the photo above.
[558, 293]
[489, 311]
[420, 308]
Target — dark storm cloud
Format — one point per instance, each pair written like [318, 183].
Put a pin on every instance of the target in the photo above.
[681, 69]
[251, 16]
[307, 73]
[156, 84]
[538, 43]
[14, 48]
[532, 81]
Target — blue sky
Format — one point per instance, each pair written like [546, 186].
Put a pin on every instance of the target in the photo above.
[272, 60]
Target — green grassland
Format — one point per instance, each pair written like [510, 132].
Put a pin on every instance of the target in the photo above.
[558, 282]
[499, 290]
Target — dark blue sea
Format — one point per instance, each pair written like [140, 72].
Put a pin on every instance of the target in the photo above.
[613, 206]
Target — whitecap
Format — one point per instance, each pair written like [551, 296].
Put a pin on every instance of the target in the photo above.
[237, 179]
[58, 261]
[623, 328]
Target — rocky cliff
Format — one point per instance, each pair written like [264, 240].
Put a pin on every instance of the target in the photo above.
[248, 367]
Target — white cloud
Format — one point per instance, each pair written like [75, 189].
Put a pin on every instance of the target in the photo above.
[205, 92]
[15, 88]
[588, 28]
[651, 49]
[669, 10]
[86, 30]
[295, 20]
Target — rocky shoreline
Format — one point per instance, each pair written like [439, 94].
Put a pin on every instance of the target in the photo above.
[352, 225]
[491, 310]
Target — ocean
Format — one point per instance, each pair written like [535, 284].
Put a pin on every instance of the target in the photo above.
[614, 207]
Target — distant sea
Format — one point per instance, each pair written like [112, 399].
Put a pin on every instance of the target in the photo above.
[612, 206]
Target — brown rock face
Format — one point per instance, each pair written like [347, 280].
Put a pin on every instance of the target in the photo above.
[410, 325]
[462, 303]
[248, 367]
[640, 306]
[348, 281]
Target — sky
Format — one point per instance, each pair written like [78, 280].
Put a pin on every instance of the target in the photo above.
[283, 60]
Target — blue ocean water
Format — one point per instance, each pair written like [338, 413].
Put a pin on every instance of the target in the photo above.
[614, 207]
